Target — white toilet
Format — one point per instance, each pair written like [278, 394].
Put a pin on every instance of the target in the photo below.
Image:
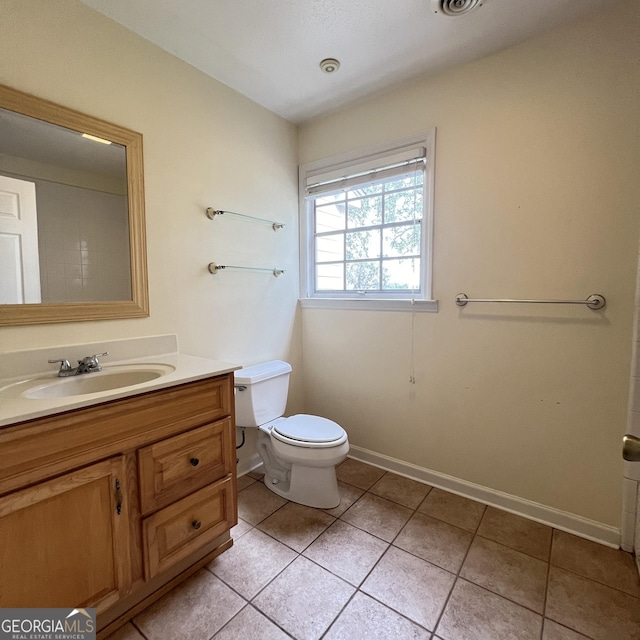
[299, 453]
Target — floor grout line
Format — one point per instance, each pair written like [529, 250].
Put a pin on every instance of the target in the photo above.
[546, 595]
[453, 586]
[135, 626]
[598, 582]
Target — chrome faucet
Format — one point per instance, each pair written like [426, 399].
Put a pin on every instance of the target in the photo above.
[90, 364]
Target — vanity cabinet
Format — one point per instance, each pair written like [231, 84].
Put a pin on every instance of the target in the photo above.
[112, 505]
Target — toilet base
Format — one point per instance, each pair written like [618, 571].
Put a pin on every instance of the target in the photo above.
[303, 475]
[311, 486]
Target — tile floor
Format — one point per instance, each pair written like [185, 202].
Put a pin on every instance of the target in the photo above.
[397, 560]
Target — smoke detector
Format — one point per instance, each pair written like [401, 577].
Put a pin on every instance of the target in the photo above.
[330, 65]
[454, 7]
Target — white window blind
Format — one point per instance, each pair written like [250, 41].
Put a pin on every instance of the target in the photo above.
[367, 171]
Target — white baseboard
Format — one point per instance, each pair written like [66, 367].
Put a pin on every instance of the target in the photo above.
[248, 464]
[555, 518]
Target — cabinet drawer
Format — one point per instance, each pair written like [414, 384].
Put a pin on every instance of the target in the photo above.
[174, 532]
[174, 468]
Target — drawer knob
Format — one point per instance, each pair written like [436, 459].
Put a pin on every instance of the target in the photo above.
[194, 462]
[196, 524]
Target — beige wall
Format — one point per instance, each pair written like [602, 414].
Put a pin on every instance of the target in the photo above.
[204, 145]
[536, 197]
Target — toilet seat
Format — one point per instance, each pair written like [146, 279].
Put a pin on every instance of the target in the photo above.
[303, 430]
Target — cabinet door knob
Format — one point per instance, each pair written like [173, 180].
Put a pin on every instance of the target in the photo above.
[194, 462]
[196, 524]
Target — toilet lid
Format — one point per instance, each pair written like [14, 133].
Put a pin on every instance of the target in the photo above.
[305, 428]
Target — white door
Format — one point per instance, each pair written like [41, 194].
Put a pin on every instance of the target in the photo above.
[19, 261]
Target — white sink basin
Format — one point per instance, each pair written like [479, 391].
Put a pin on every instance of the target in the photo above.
[105, 380]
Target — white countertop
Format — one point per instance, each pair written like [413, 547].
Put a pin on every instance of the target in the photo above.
[16, 406]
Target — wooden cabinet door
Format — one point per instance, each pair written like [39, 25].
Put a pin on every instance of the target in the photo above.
[65, 542]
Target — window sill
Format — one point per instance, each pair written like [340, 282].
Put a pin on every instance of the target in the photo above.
[420, 306]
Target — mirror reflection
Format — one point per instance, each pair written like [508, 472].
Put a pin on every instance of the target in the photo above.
[64, 215]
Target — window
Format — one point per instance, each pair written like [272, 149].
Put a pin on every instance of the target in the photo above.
[366, 227]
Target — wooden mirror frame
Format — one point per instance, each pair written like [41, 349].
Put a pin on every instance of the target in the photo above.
[138, 306]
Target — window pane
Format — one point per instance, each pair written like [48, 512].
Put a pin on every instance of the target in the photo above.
[362, 276]
[403, 240]
[363, 244]
[403, 205]
[329, 198]
[330, 217]
[369, 190]
[364, 212]
[330, 248]
[330, 277]
[410, 180]
[401, 274]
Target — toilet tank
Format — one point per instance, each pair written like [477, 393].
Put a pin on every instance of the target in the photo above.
[261, 393]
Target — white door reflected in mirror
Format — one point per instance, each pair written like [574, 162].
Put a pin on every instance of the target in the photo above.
[19, 261]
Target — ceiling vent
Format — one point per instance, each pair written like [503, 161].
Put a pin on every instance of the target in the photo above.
[330, 65]
[454, 7]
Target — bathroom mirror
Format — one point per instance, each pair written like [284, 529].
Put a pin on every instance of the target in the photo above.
[72, 222]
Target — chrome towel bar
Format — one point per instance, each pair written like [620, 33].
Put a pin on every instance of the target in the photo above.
[594, 301]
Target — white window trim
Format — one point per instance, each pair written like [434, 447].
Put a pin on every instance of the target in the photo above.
[372, 301]
[372, 304]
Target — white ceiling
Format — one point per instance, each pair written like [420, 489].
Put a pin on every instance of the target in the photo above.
[269, 50]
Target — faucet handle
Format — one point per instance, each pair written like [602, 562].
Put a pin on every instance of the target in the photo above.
[92, 361]
[64, 364]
